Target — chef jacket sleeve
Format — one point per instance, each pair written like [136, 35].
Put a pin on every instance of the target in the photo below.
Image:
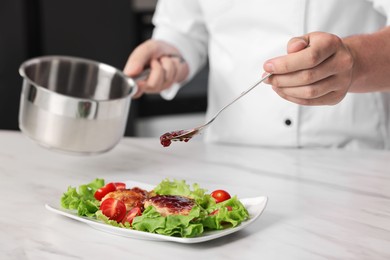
[180, 23]
[382, 6]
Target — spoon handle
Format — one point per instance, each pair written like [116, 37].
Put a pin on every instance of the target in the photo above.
[240, 96]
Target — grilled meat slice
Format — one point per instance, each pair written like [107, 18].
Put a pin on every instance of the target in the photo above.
[170, 204]
[134, 197]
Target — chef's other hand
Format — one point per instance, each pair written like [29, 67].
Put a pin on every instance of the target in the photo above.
[316, 71]
[165, 62]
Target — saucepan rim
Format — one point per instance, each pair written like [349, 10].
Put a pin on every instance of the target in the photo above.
[39, 59]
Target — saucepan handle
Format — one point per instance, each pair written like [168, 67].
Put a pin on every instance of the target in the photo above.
[143, 75]
[133, 81]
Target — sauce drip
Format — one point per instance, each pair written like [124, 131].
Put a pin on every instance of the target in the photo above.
[167, 138]
[173, 202]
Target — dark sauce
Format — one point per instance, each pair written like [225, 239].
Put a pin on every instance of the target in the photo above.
[173, 202]
[167, 138]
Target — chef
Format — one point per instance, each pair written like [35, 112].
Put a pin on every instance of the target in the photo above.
[330, 65]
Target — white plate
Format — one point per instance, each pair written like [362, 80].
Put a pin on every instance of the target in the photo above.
[255, 207]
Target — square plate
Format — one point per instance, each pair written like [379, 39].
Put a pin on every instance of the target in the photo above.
[255, 207]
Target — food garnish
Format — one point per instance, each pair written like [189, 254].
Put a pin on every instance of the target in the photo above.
[172, 208]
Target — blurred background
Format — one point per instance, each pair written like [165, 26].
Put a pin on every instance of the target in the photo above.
[105, 31]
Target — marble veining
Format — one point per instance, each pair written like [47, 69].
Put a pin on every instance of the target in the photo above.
[323, 204]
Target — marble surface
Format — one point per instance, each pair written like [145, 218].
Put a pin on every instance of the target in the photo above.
[323, 204]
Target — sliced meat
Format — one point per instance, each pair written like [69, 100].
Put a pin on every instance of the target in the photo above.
[134, 197]
[170, 204]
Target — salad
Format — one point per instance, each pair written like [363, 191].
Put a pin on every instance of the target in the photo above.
[172, 208]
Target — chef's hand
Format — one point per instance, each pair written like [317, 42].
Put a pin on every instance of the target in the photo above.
[316, 71]
[165, 62]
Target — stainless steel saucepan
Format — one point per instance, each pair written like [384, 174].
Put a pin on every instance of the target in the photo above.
[73, 104]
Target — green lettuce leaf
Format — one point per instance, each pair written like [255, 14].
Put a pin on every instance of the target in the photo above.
[99, 215]
[171, 225]
[181, 188]
[83, 199]
[178, 187]
[225, 218]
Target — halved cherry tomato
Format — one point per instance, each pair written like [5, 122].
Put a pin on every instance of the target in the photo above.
[100, 193]
[113, 209]
[220, 195]
[120, 185]
[136, 211]
[215, 212]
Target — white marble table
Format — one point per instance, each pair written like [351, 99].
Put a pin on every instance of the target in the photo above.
[323, 204]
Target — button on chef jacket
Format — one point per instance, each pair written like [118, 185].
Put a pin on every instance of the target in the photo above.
[239, 36]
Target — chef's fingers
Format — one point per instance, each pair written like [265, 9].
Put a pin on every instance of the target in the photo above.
[139, 59]
[297, 44]
[170, 69]
[339, 63]
[332, 98]
[165, 71]
[156, 78]
[322, 46]
[329, 91]
[182, 68]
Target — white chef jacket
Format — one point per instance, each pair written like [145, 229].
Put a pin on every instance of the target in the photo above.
[237, 36]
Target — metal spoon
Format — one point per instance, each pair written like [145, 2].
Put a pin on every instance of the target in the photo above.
[186, 135]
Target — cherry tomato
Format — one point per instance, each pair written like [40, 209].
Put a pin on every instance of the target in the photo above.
[136, 211]
[215, 212]
[220, 195]
[113, 209]
[120, 185]
[100, 193]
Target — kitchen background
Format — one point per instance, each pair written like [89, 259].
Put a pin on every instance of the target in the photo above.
[105, 31]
